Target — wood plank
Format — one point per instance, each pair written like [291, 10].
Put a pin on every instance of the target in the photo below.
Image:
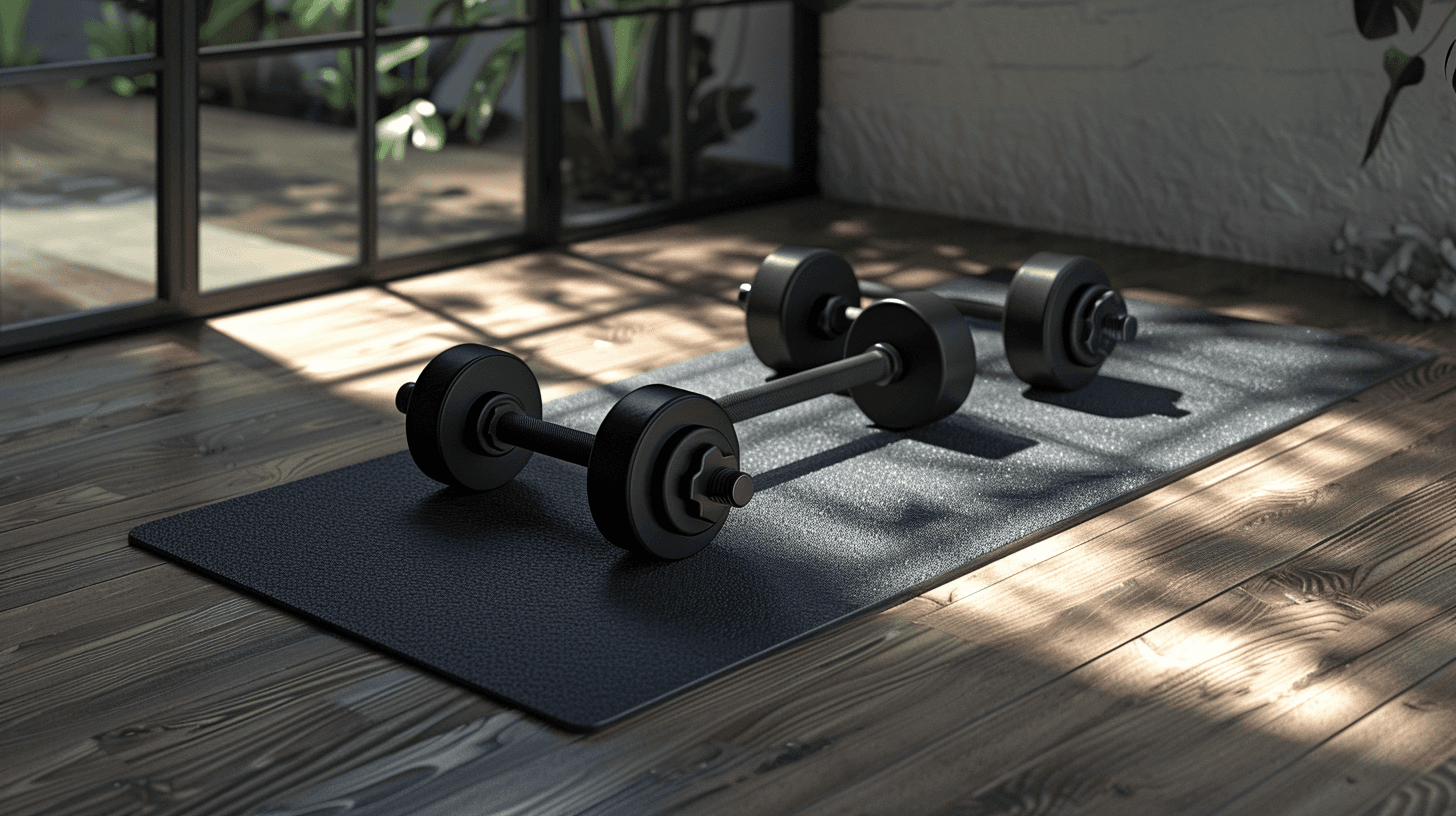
[1430, 794]
[79, 549]
[576, 324]
[212, 700]
[1368, 765]
[1237, 685]
[102, 364]
[159, 453]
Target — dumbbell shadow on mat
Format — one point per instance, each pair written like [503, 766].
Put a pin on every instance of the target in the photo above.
[662, 468]
[1060, 317]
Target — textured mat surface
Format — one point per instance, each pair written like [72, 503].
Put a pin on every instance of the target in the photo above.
[516, 594]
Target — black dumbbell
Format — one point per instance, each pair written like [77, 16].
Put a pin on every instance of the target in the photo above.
[1060, 318]
[662, 468]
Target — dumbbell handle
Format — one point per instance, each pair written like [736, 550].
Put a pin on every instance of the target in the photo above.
[873, 289]
[725, 486]
[556, 441]
[512, 427]
[969, 307]
[878, 363]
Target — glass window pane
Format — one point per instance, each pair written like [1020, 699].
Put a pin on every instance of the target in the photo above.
[76, 30]
[225, 22]
[78, 205]
[615, 118]
[278, 186]
[451, 142]
[570, 8]
[471, 12]
[741, 128]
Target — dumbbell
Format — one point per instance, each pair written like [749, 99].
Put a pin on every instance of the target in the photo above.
[662, 468]
[1060, 318]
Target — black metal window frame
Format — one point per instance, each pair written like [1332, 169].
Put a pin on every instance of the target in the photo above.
[178, 295]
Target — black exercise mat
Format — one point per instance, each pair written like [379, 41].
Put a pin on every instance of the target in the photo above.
[515, 593]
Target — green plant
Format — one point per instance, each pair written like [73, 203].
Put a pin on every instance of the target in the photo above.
[13, 50]
[118, 33]
[616, 139]
[408, 71]
[1376, 19]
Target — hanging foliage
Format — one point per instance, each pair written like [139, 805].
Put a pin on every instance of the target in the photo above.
[1377, 19]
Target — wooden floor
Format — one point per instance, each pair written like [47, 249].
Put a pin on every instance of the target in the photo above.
[1273, 634]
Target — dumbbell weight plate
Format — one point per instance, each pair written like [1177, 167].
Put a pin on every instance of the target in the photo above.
[937, 357]
[441, 423]
[1037, 342]
[789, 293]
[646, 448]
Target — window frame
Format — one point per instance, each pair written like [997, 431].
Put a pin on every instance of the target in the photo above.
[178, 296]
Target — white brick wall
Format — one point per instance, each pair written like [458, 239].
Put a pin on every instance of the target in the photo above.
[1231, 128]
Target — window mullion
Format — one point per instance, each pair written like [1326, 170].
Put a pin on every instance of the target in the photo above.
[543, 125]
[177, 157]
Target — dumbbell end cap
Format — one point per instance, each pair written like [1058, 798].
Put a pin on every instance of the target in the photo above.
[731, 487]
[1123, 326]
[744, 290]
[402, 397]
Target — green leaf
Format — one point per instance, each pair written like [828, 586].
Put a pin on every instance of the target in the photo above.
[337, 83]
[123, 86]
[382, 10]
[1411, 9]
[630, 36]
[1376, 18]
[13, 50]
[308, 13]
[393, 56]
[429, 133]
[390, 133]
[1403, 70]
[223, 12]
[389, 83]
[119, 33]
[478, 107]
[420, 72]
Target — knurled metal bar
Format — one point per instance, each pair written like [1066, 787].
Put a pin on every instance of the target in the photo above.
[983, 308]
[556, 441]
[861, 369]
